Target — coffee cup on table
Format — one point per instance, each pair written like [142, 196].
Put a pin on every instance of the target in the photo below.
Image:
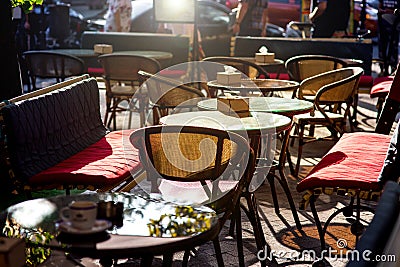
[80, 214]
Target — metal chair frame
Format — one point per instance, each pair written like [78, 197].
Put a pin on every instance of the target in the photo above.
[123, 84]
[52, 65]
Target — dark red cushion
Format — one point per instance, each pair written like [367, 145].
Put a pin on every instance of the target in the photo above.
[366, 81]
[96, 71]
[383, 79]
[282, 76]
[381, 89]
[106, 162]
[355, 161]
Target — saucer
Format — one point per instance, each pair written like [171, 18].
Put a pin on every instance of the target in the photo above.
[99, 226]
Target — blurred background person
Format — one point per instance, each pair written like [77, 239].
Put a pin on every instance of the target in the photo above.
[251, 18]
[118, 17]
[387, 29]
[330, 17]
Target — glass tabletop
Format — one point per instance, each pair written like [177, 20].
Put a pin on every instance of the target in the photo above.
[142, 216]
[279, 105]
[263, 85]
[258, 123]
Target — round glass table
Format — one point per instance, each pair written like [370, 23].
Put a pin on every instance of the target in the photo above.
[246, 86]
[278, 105]
[145, 226]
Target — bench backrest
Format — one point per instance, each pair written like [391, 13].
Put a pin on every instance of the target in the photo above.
[49, 126]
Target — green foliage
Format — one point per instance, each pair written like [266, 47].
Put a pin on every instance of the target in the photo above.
[185, 222]
[36, 254]
[26, 5]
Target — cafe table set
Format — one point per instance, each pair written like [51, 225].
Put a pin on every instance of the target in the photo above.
[110, 226]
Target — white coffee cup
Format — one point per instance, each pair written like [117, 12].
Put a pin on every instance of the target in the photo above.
[81, 214]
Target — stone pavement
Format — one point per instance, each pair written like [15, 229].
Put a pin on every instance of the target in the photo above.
[279, 229]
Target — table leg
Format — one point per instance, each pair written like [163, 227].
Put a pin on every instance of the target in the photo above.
[146, 261]
[106, 262]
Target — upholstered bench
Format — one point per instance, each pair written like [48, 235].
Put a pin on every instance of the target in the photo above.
[351, 168]
[55, 138]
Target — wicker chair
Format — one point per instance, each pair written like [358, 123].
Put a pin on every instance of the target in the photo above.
[305, 66]
[52, 65]
[330, 91]
[247, 68]
[123, 84]
[183, 161]
[166, 94]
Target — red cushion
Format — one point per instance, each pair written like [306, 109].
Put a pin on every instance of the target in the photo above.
[282, 76]
[366, 81]
[383, 79]
[106, 162]
[97, 71]
[381, 89]
[355, 161]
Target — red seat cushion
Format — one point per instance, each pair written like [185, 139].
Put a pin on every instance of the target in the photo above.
[381, 89]
[355, 161]
[383, 79]
[366, 81]
[95, 71]
[282, 76]
[106, 162]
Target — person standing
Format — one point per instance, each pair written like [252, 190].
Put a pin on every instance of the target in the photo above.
[330, 17]
[251, 18]
[118, 18]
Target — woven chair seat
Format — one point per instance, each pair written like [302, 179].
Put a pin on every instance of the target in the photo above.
[318, 117]
[124, 90]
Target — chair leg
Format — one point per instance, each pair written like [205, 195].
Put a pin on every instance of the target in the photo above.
[252, 214]
[167, 260]
[285, 186]
[232, 228]
[218, 253]
[271, 181]
[317, 222]
[239, 237]
[300, 149]
[185, 259]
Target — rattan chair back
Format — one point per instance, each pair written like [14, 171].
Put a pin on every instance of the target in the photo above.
[166, 94]
[248, 68]
[304, 66]
[52, 65]
[218, 162]
[334, 87]
[334, 93]
[122, 82]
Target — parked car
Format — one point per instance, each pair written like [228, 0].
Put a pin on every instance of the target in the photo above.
[215, 24]
[281, 12]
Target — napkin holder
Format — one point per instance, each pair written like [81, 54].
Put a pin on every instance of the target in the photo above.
[265, 57]
[12, 252]
[228, 78]
[233, 106]
[103, 48]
